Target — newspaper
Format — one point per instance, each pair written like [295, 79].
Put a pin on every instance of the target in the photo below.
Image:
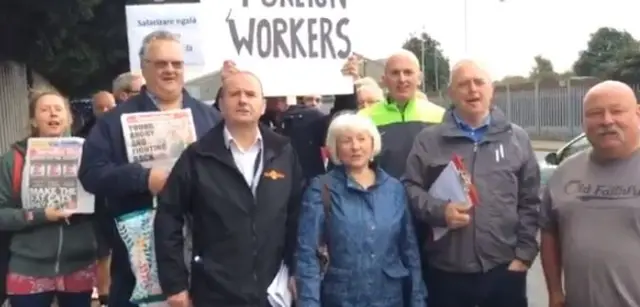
[51, 175]
[155, 140]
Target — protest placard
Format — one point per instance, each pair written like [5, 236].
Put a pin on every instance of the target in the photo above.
[51, 176]
[295, 47]
[181, 17]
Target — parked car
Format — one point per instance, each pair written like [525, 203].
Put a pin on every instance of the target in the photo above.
[553, 159]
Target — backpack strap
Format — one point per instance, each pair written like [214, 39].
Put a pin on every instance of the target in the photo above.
[323, 247]
[16, 175]
[326, 205]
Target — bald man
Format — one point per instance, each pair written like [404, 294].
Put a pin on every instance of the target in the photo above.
[103, 101]
[400, 117]
[483, 260]
[590, 216]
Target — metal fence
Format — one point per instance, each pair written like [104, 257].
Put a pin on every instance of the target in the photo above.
[14, 108]
[550, 110]
[13, 103]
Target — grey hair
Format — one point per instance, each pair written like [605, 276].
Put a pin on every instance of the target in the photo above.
[351, 122]
[123, 81]
[465, 62]
[154, 36]
[374, 89]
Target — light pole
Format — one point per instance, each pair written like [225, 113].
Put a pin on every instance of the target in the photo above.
[466, 25]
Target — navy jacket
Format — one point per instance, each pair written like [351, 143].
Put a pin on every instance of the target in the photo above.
[105, 169]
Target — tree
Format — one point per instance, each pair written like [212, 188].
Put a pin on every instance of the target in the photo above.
[628, 70]
[606, 49]
[76, 44]
[435, 66]
[543, 69]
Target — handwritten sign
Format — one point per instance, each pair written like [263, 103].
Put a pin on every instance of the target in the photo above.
[295, 47]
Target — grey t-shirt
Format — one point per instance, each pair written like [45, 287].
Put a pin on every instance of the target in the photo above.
[595, 209]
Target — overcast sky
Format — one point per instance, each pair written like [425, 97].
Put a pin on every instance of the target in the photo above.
[504, 35]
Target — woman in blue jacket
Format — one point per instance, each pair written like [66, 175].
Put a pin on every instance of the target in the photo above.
[360, 214]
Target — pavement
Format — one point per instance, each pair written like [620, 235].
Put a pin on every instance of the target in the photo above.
[536, 287]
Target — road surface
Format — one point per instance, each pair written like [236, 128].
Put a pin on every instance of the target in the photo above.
[536, 288]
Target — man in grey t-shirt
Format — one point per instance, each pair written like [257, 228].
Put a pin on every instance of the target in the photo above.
[590, 217]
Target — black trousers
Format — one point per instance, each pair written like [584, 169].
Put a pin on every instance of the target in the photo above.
[498, 287]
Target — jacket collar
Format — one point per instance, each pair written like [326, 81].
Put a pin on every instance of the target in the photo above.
[145, 100]
[340, 174]
[497, 124]
[213, 144]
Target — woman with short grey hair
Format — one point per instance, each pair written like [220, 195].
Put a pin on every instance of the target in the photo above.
[356, 243]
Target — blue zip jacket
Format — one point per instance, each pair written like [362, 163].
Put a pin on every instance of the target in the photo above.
[105, 169]
[374, 257]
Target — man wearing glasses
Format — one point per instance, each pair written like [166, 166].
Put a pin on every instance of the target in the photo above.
[105, 170]
[127, 85]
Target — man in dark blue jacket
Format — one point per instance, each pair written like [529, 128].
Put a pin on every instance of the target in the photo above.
[105, 169]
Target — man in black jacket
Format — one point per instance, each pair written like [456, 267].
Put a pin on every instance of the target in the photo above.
[305, 126]
[242, 185]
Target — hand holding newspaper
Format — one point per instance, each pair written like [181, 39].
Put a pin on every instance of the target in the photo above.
[51, 176]
[453, 184]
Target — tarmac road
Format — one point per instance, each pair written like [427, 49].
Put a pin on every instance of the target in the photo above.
[536, 288]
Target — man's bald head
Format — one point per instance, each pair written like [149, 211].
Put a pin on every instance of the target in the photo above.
[611, 119]
[402, 55]
[402, 76]
[609, 88]
[103, 101]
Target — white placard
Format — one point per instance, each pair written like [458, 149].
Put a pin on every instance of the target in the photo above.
[295, 50]
[183, 19]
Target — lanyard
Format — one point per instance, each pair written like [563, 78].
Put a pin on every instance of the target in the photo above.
[256, 167]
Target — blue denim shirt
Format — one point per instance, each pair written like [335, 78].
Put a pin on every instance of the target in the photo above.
[374, 257]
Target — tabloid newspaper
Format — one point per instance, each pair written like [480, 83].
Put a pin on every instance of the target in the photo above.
[155, 140]
[51, 175]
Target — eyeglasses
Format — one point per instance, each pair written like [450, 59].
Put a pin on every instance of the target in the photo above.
[162, 64]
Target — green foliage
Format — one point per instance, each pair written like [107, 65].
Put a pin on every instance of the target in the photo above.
[435, 66]
[78, 45]
[628, 70]
[606, 49]
[542, 70]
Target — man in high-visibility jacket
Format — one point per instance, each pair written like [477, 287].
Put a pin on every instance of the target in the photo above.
[400, 117]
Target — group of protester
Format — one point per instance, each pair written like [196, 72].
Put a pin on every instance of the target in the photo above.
[256, 195]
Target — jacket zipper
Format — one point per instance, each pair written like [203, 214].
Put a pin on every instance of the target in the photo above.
[473, 171]
[59, 252]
